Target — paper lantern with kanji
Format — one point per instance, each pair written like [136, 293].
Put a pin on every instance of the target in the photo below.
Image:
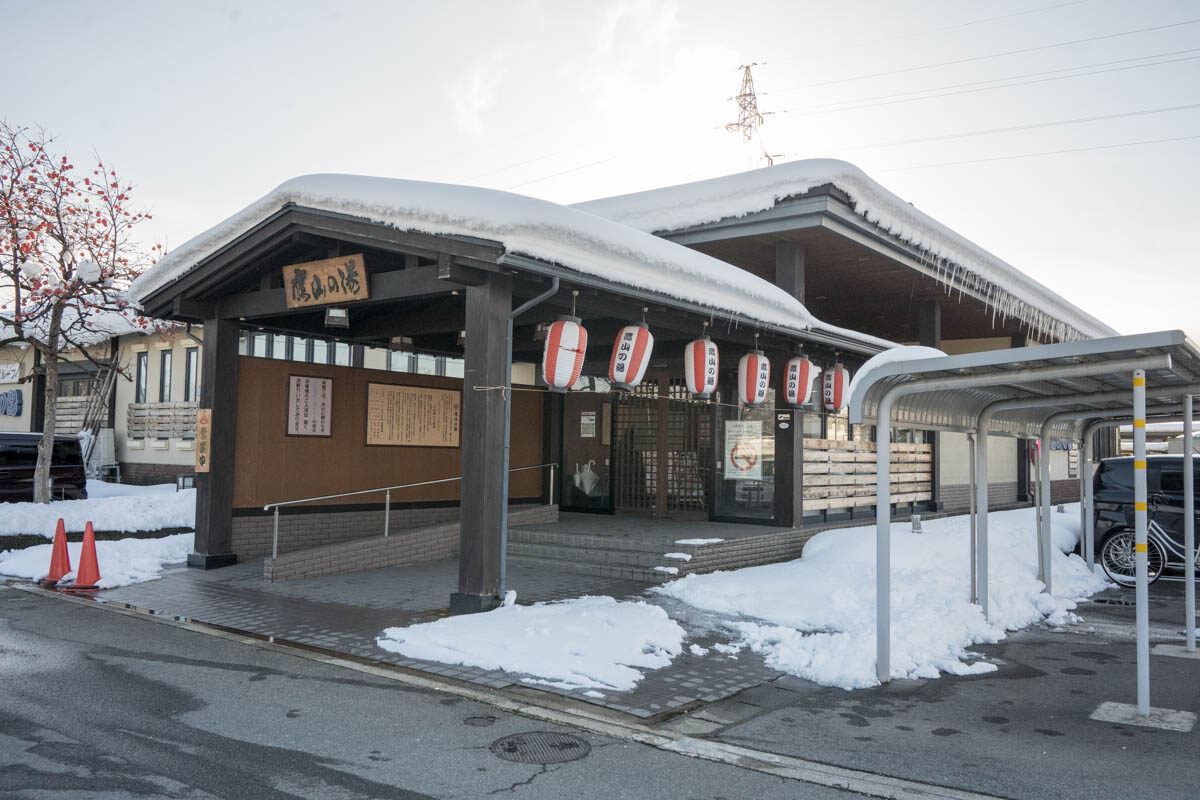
[630, 355]
[798, 380]
[562, 358]
[700, 362]
[754, 378]
[835, 383]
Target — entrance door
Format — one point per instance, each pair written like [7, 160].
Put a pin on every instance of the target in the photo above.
[662, 448]
[586, 456]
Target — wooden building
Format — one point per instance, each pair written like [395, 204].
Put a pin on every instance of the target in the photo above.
[383, 265]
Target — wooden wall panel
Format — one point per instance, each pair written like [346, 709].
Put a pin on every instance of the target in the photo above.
[841, 474]
[271, 467]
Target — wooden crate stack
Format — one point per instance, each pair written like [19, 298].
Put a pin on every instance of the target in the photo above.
[162, 420]
[841, 474]
[69, 414]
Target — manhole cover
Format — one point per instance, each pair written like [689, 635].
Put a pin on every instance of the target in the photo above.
[1115, 601]
[541, 747]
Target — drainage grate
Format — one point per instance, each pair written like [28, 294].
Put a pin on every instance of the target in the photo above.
[1115, 601]
[541, 747]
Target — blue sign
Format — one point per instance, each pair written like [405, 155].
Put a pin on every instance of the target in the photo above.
[11, 403]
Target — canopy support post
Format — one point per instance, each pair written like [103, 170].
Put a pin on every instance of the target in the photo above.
[971, 502]
[1088, 526]
[883, 540]
[981, 513]
[1189, 524]
[1140, 547]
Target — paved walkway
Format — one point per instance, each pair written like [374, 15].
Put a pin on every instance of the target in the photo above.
[345, 613]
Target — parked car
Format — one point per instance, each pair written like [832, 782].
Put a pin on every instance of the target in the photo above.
[18, 458]
[1113, 492]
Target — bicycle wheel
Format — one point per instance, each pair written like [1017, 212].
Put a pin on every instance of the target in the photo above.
[1119, 561]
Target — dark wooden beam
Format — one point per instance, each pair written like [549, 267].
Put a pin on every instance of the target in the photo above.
[929, 327]
[483, 463]
[400, 284]
[213, 543]
[192, 310]
[790, 268]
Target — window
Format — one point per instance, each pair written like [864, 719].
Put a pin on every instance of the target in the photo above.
[454, 367]
[164, 377]
[260, 343]
[320, 351]
[341, 354]
[75, 386]
[426, 365]
[191, 374]
[399, 361]
[300, 349]
[139, 386]
[278, 348]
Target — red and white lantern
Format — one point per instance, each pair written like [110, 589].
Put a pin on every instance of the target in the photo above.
[754, 378]
[700, 362]
[798, 380]
[562, 358]
[835, 382]
[630, 355]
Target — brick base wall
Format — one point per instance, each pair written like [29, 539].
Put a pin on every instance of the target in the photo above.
[1064, 491]
[252, 533]
[405, 546]
[957, 497]
[150, 474]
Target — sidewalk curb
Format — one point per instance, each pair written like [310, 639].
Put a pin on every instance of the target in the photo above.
[568, 713]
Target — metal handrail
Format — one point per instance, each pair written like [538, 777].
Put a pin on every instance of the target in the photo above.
[387, 499]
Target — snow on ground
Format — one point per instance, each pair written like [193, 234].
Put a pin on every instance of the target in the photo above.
[585, 643]
[109, 507]
[698, 541]
[815, 617]
[121, 562]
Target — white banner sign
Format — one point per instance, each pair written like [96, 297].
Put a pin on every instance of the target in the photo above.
[310, 406]
[743, 450]
[10, 372]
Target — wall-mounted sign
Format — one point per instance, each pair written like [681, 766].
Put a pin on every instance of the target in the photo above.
[332, 280]
[743, 450]
[10, 372]
[11, 403]
[412, 416]
[310, 406]
[587, 425]
[203, 439]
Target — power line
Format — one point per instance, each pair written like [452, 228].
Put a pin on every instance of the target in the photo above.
[1043, 153]
[1028, 127]
[1041, 73]
[989, 56]
[564, 172]
[967, 24]
[820, 110]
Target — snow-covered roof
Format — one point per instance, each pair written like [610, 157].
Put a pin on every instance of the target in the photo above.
[539, 229]
[91, 328]
[1008, 290]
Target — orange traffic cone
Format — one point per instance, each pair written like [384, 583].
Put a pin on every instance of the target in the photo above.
[89, 570]
[60, 560]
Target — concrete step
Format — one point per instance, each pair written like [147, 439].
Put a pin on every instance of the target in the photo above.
[618, 571]
[590, 555]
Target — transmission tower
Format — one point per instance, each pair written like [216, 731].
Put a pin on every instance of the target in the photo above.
[750, 119]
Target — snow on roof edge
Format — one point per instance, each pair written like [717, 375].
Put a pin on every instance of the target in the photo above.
[955, 257]
[536, 228]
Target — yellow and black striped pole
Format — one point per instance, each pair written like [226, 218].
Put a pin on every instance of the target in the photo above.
[1140, 547]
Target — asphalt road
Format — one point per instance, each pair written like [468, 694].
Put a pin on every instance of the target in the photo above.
[95, 704]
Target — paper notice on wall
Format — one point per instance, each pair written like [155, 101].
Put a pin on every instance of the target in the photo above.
[587, 425]
[743, 450]
[310, 406]
[412, 416]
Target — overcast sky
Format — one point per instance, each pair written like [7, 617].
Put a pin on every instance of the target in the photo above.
[207, 106]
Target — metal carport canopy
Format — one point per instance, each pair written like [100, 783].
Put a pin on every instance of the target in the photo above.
[1014, 392]
[957, 409]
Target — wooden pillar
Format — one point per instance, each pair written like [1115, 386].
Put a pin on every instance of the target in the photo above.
[789, 268]
[552, 446]
[929, 332]
[789, 468]
[483, 502]
[213, 545]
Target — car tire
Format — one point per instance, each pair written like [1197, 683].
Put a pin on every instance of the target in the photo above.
[1117, 557]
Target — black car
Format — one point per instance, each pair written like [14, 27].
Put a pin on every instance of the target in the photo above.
[18, 459]
[1113, 492]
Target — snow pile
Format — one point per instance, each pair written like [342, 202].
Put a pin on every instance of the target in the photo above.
[121, 563]
[109, 507]
[523, 226]
[697, 542]
[585, 643]
[815, 617]
[957, 260]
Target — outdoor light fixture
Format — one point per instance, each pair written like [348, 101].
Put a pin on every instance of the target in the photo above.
[401, 344]
[462, 338]
[337, 317]
[539, 333]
